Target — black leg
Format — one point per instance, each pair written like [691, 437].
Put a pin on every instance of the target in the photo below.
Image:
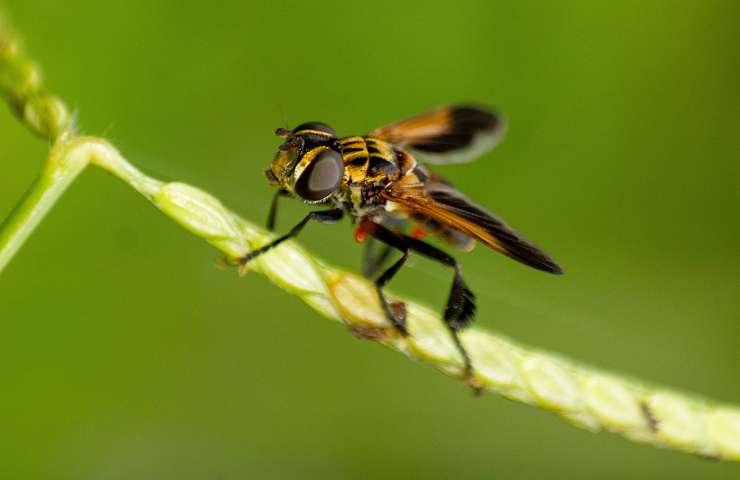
[324, 216]
[460, 308]
[273, 208]
[396, 241]
[371, 262]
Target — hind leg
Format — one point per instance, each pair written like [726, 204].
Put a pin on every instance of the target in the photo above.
[460, 308]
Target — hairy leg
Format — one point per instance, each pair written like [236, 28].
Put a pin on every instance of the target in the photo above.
[272, 216]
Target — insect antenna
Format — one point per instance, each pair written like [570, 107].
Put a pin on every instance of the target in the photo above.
[284, 116]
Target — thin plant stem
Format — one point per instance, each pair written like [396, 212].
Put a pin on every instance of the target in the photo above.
[58, 174]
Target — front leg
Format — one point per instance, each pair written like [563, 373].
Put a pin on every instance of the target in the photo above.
[272, 216]
[323, 216]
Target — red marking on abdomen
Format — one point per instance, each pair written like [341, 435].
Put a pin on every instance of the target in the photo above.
[360, 234]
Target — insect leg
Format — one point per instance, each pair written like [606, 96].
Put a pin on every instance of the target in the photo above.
[323, 216]
[460, 307]
[371, 262]
[393, 240]
[273, 208]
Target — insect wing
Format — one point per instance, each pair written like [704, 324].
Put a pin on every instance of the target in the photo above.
[452, 134]
[448, 206]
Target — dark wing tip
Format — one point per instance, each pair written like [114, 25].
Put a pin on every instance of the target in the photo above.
[557, 269]
[551, 266]
[475, 117]
[527, 253]
[466, 125]
[507, 240]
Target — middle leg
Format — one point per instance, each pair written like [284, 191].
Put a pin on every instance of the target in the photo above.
[372, 261]
[395, 312]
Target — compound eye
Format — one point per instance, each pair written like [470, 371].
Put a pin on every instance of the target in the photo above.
[321, 177]
[317, 126]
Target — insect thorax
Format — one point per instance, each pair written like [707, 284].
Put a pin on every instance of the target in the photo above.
[368, 160]
[369, 166]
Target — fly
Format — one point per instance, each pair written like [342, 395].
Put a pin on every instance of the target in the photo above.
[382, 181]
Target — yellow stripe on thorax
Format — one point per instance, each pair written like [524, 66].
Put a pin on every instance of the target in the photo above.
[313, 132]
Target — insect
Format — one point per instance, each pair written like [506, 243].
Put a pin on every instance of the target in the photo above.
[381, 181]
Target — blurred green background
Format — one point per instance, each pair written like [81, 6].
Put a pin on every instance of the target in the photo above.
[126, 354]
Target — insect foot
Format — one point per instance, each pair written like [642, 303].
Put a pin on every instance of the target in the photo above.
[225, 262]
[473, 382]
[398, 309]
[376, 334]
[243, 269]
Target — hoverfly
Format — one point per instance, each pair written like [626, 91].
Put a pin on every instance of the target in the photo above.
[380, 178]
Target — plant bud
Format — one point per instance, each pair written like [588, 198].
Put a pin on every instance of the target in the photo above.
[202, 214]
[47, 116]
